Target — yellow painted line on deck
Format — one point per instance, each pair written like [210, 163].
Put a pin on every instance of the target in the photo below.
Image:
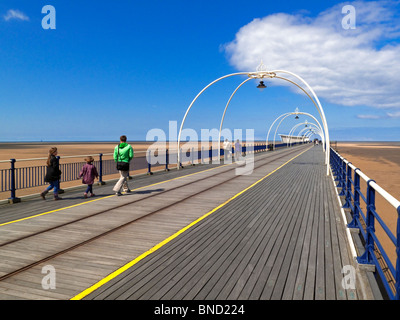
[60, 209]
[105, 197]
[162, 243]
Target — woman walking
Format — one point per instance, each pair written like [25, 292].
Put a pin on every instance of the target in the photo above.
[53, 174]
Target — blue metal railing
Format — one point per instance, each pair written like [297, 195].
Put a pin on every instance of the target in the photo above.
[348, 178]
[13, 178]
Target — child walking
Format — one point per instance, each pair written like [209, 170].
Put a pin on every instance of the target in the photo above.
[89, 173]
[53, 174]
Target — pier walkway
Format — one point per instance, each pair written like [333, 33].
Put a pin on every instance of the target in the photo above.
[198, 233]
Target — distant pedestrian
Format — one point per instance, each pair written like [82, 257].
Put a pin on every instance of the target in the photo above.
[227, 150]
[88, 174]
[238, 150]
[123, 154]
[53, 174]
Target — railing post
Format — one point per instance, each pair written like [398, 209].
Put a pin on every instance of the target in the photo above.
[397, 275]
[356, 213]
[342, 179]
[180, 157]
[101, 182]
[192, 156]
[13, 198]
[149, 164]
[366, 257]
[348, 187]
[333, 161]
[60, 191]
[338, 163]
[166, 160]
[210, 155]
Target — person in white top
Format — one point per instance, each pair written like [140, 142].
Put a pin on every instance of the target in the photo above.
[227, 150]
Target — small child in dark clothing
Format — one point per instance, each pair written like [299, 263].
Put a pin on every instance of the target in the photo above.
[88, 174]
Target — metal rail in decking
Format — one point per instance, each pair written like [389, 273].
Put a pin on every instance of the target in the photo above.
[281, 239]
[198, 233]
[79, 240]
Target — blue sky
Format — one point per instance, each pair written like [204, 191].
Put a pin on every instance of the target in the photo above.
[125, 67]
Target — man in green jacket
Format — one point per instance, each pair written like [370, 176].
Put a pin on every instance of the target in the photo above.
[123, 153]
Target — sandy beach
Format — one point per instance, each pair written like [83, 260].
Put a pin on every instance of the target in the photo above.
[380, 162]
[30, 154]
[40, 149]
[68, 151]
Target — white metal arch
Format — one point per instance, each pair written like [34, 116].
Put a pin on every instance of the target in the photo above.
[299, 124]
[326, 131]
[262, 74]
[291, 132]
[307, 129]
[226, 107]
[316, 132]
[309, 134]
[285, 116]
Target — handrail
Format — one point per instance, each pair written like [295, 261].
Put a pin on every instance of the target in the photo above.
[13, 178]
[351, 190]
[392, 200]
[65, 157]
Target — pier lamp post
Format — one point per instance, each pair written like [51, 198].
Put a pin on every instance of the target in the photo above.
[261, 86]
[262, 74]
[297, 113]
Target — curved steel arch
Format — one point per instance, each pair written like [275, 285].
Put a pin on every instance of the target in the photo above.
[283, 78]
[327, 154]
[262, 75]
[299, 124]
[306, 129]
[314, 132]
[310, 132]
[285, 116]
[226, 107]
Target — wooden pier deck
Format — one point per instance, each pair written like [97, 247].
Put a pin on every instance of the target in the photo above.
[198, 233]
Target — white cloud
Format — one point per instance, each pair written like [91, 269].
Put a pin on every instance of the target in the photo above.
[369, 116]
[15, 15]
[394, 114]
[346, 67]
[387, 115]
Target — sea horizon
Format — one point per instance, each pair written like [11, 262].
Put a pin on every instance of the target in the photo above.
[145, 141]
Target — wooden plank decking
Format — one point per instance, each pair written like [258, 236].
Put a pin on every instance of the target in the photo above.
[278, 234]
[281, 239]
